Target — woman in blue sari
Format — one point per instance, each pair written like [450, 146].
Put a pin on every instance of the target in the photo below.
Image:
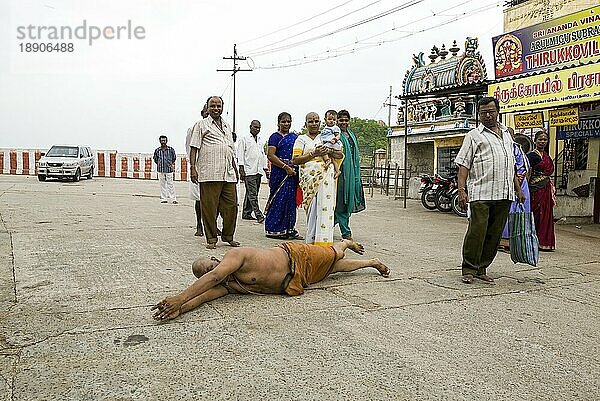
[280, 220]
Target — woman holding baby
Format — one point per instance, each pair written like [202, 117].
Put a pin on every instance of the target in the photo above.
[317, 181]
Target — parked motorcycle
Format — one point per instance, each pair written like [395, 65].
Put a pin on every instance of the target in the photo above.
[443, 194]
[427, 192]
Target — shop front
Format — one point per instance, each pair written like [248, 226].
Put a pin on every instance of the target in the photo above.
[548, 77]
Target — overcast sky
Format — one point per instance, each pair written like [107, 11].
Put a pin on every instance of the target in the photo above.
[123, 93]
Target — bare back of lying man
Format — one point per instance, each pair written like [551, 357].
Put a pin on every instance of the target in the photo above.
[285, 269]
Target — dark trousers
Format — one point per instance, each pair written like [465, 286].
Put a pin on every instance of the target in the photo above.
[252, 183]
[218, 197]
[483, 235]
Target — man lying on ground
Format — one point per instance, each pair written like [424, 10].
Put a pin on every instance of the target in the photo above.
[284, 269]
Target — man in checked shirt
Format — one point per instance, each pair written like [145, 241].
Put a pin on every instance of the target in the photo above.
[164, 157]
[487, 159]
[212, 164]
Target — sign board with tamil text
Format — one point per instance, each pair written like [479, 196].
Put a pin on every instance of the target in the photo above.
[562, 117]
[562, 42]
[588, 127]
[552, 89]
[530, 120]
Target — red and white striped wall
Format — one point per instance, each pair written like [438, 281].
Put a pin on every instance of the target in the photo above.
[109, 163]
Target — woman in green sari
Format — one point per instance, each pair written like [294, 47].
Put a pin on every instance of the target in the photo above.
[350, 194]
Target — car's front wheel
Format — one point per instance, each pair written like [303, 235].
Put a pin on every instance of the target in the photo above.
[91, 174]
[41, 177]
[77, 175]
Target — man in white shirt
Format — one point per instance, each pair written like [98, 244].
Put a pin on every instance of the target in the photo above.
[486, 158]
[252, 164]
[212, 164]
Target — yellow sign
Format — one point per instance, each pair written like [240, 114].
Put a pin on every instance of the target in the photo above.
[561, 42]
[562, 117]
[531, 120]
[552, 89]
[449, 142]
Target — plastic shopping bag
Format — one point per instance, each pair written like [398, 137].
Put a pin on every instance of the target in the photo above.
[523, 238]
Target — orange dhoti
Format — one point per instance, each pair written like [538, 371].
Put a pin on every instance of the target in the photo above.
[309, 264]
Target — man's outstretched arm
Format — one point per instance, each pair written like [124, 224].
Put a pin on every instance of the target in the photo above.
[214, 293]
[230, 264]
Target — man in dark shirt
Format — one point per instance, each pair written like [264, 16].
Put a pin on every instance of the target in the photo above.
[165, 157]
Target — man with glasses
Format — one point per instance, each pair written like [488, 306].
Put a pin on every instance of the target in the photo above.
[487, 181]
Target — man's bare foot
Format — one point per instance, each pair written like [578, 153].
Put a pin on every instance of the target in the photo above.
[211, 246]
[383, 269]
[199, 233]
[168, 308]
[234, 244]
[484, 277]
[354, 246]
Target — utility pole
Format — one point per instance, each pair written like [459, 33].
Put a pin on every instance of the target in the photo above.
[390, 105]
[233, 71]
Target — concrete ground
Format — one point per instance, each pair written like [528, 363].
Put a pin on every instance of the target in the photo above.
[81, 264]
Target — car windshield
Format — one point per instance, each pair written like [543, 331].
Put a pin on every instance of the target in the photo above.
[62, 151]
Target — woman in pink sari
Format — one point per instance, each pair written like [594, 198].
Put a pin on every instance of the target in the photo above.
[542, 191]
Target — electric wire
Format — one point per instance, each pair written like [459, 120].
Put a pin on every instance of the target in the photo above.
[228, 102]
[305, 60]
[347, 27]
[227, 87]
[380, 108]
[395, 29]
[297, 23]
[311, 29]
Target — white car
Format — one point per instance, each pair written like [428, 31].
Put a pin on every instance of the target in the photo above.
[66, 162]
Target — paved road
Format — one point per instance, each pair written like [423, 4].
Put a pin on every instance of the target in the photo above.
[81, 263]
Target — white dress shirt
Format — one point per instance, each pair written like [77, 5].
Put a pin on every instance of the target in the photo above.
[251, 155]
